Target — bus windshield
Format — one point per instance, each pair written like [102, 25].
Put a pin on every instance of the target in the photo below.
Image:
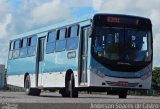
[122, 44]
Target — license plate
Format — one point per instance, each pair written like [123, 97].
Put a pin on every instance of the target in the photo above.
[122, 83]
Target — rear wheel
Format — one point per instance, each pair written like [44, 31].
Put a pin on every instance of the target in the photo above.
[28, 89]
[123, 94]
[70, 90]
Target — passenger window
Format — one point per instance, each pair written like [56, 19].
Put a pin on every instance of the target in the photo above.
[11, 50]
[32, 46]
[74, 30]
[16, 49]
[50, 47]
[23, 51]
[61, 42]
[51, 36]
[60, 45]
[62, 34]
[24, 43]
[32, 41]
[17, 44]
[72, 41]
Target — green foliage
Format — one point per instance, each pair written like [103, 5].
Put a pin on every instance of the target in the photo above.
[156, 78]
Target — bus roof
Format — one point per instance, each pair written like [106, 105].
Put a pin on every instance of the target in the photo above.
[54, 26]
[67, 22]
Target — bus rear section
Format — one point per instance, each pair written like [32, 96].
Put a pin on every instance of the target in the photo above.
[121, 53]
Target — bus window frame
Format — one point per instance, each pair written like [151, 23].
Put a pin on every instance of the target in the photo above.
[75, 37]
[59, 32]
[59, 40]
[54, 42]
[32, 46]
[16, 49]
[23, 48]
[11, 46]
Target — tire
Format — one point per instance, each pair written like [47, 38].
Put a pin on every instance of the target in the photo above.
[28, 89]
[123, 94]
[70, 90]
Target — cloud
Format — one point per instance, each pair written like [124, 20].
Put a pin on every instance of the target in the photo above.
[97, 4]
[155, 16]
[111, 6]
[4, 24]
[49, 12]
[156, 49]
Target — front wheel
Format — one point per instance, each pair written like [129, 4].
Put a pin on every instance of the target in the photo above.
[28, 89]
[70, 90]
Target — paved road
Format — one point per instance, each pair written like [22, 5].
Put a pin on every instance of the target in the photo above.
[20, 97]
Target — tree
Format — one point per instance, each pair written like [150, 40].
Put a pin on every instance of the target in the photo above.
[156, 78]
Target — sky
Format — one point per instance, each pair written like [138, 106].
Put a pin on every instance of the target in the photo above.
[19, 16]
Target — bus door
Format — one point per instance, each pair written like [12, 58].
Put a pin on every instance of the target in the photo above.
[83, 56]
[40, 61]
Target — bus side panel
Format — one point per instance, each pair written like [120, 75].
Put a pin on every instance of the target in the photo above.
[15, 80]
[56, 66]
[17, 69]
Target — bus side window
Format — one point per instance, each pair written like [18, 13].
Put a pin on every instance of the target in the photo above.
[32, 42]
[23, 51]
[74, 31]
[16, 48]
[72, 41]
[50, 47]
[62, 34]
[61, 41]
[11, 49]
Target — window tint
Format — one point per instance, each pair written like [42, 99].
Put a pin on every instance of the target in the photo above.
[24, 43]
[62, 34]
[32, 41]
[51, 36]
[72, 43]
[31, 51]
[60, 45]
[50, 47]
[16, 49]
[74, 31]
[17, 44]
[16, 53]
[23, 51]
[32, 46]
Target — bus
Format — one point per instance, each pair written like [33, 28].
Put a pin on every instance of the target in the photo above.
[98, 52]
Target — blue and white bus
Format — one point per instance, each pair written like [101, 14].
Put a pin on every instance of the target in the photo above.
[99, 52]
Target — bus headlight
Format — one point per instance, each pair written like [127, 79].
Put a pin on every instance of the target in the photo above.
[97, 72]
[146, 75]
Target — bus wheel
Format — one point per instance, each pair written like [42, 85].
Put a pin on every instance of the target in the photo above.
[122, 94]
[28, 89]
[70, 90]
